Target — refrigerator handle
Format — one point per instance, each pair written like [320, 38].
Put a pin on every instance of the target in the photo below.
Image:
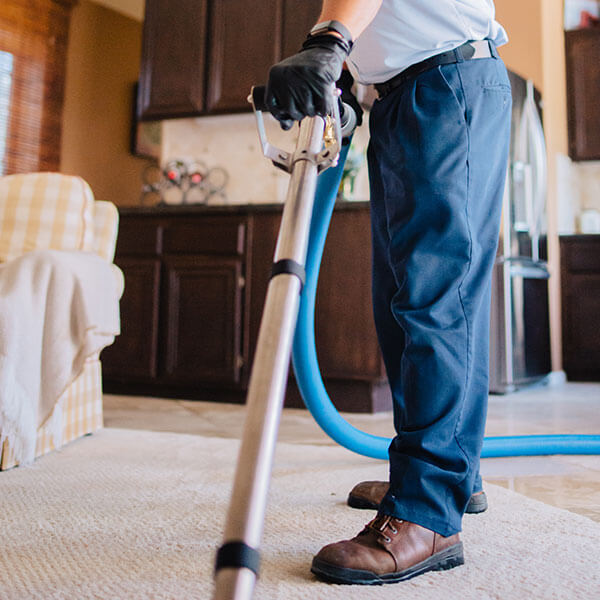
[537, 159]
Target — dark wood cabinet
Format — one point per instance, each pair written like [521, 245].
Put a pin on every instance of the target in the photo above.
[182, 307]
[346, 341]
[243, 43]
[298, 19]
[583, 83]
[202, 57]
[195, 285]
[203, 326]
[135, 357]
[173, 66]
[580, 282]
[351, 343]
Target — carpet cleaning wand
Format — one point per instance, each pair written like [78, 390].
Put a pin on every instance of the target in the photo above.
[318, 147]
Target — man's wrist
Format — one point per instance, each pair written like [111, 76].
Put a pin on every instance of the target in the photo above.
[334, 28]
[327, 41]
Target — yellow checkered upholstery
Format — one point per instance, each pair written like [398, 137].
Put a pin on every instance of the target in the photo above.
[106, 226]
[81, 408]
[45, 211]
[55, 211]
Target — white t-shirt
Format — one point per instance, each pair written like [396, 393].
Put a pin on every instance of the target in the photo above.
[405, 32]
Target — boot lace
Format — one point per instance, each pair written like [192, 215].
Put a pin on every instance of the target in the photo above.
[381, 524]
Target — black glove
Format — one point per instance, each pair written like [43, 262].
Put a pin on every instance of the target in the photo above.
[345, 83]
[301, 85]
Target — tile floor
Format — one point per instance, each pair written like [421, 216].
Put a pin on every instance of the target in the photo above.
[569, 482]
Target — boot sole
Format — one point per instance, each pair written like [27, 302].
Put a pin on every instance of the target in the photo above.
[477, 504]
[446, 559]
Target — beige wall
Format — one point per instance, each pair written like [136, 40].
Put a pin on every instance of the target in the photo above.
[536, 51]
[102, 65]
[523, 22]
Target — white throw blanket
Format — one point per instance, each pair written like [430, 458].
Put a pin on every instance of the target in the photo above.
[56, 309]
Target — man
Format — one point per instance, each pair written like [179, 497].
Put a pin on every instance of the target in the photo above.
[437, 163]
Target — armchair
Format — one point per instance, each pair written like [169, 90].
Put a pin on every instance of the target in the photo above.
[42, 212]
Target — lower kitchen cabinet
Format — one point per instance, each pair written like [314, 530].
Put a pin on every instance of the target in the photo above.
[181, 312]
[203, 320]
[195, 285]
[580, 282]
[135, 355]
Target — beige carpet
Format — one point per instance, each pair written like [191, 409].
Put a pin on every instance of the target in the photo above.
[137, 515]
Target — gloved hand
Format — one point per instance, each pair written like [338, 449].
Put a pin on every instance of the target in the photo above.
[301, 85]
[345, 83]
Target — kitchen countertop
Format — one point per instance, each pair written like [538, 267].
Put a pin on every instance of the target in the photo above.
[236, 209]
[580, 236]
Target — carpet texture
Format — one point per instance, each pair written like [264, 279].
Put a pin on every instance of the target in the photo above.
[138, 515]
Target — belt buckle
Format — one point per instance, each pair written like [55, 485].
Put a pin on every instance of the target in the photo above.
[480, 49]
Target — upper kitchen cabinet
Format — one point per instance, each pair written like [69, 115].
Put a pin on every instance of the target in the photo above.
[202, 57]
[172, 70]
[583, 83]
[243, 42]
[298, 19]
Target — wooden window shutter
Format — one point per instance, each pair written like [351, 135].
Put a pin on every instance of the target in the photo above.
[33, 47]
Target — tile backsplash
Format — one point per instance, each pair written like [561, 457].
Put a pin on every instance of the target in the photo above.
[578, 192]
[231, 142]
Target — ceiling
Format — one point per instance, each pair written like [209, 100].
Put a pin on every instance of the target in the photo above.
[130, 8]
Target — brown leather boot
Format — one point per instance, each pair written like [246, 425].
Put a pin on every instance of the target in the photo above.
[387, 550]
[368, 494]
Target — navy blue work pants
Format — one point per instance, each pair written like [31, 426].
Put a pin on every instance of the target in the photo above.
[437, 166]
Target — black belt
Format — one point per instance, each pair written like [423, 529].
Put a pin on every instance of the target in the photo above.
[468, 51]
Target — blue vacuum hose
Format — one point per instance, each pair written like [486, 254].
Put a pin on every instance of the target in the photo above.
[308, 374]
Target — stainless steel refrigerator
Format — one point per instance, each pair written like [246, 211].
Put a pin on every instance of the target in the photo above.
[520, 324]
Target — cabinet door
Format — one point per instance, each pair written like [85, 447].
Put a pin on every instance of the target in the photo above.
[298, 20]
[203, 319]
[243, 44]
[580, 282]
[581, 343]
[133, 356]
[345, 334]
[173, 59]
[583, 83]
[344, 328]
